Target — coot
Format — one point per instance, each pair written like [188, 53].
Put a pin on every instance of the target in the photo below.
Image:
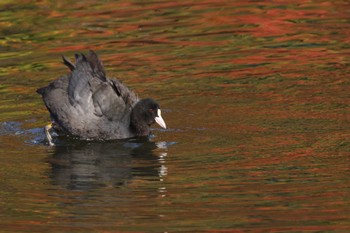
[87, 104]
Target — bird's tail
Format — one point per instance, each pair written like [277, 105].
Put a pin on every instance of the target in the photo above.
[91, 60]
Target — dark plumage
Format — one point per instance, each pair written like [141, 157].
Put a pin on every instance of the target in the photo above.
[87, 104]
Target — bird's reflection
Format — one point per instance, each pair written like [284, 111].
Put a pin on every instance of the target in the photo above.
[89, 165]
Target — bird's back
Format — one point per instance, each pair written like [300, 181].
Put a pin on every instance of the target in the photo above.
[87, 104]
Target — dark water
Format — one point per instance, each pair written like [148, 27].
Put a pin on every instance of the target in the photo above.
[255, 94]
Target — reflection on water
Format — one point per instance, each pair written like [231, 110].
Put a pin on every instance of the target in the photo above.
[104, 177]
[92, 165]
[256, 93]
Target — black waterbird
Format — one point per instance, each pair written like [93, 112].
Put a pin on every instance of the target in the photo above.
[87, 104]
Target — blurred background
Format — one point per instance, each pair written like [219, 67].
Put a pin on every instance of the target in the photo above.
[255, 95]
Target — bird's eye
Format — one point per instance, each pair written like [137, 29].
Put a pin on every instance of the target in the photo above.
[150, 110]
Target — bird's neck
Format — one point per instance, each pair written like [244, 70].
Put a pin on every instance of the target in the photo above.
[137, 123]
[138, 128]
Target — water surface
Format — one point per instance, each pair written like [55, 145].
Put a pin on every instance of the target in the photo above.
[255, 94]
